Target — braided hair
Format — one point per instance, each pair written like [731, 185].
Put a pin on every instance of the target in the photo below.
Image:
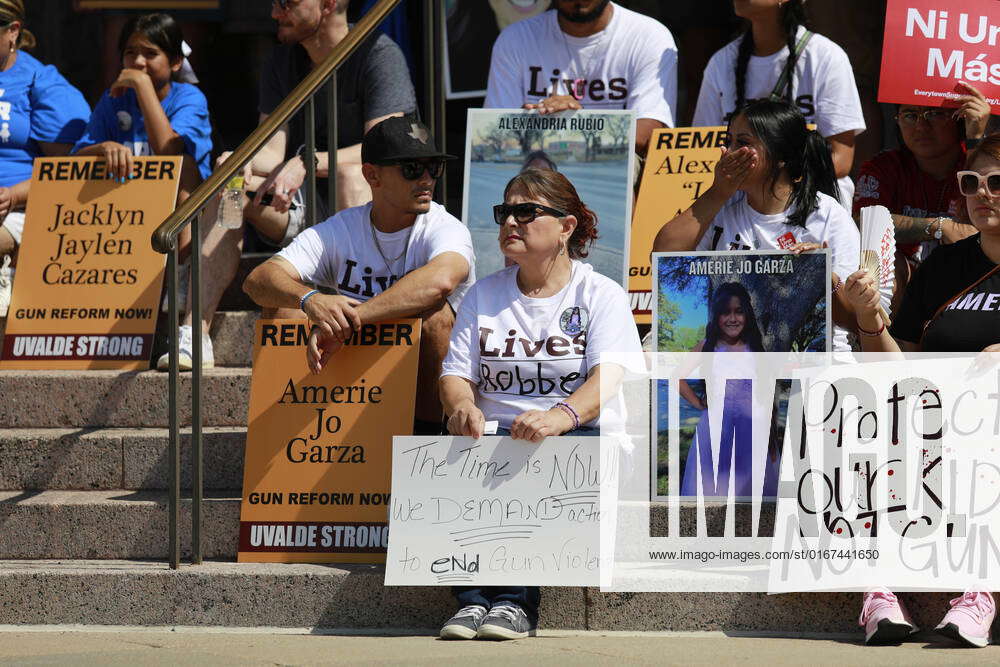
[793, 15]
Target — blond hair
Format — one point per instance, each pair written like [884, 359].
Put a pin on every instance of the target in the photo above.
[13, 10]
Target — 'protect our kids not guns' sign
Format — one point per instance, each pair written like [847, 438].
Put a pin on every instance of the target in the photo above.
[87, 288]
[680, 167]
[930, 45]
[319, 447]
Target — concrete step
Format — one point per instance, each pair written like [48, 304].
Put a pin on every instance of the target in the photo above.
[108, 459]
[353, 597]
[87, 399]
[232, 337]
[109, 525]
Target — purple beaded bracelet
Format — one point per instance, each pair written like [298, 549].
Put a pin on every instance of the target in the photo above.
[568, 409]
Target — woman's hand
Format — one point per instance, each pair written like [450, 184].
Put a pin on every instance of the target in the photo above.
[732, 169]
[130, 78]
[118, 159]
[555, 104]
[974, 109]
[535, 425]
[322, 345]
[861, 291]
[283, 182]
[467, 419]
[806, 246]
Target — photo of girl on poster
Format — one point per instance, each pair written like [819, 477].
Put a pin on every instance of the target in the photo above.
[712, 302]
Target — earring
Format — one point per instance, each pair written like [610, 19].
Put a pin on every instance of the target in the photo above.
[562, 248]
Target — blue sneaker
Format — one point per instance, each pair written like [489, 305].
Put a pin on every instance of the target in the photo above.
[506, 620]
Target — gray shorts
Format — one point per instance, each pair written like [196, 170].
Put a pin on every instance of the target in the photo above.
[297, 219]
[14, 223]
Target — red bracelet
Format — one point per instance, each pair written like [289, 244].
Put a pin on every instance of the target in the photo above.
[873, 334]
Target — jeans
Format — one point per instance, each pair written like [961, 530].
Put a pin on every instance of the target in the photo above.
[528, 597]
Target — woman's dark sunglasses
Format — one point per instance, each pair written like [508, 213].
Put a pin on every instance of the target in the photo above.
[523, 213]
[969, 182]
[414, 169]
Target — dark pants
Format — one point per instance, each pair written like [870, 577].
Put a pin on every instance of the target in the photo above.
[528, 597]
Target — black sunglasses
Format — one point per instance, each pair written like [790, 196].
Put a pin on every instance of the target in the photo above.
[523, 213]
[414, 169]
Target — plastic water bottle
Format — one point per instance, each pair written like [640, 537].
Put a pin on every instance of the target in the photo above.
[231, 206]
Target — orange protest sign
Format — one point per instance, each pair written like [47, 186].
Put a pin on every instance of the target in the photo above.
[319, 447]
[680, 166]
[87, 288]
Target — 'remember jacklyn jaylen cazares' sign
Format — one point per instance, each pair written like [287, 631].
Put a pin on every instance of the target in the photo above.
[87, 287]
[319, 447]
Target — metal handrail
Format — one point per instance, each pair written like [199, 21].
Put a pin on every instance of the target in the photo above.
[165, 236]
[165, 241]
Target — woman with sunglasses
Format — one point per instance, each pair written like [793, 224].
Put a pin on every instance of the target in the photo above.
[949, 306]
[526, 351]
[916, 181]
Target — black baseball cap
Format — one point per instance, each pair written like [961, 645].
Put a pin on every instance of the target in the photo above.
[399, 138]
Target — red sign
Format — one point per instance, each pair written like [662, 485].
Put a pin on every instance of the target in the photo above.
[930, 45]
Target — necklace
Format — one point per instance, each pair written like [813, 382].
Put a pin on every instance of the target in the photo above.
[545, 326]
[378, 246]
[580, 84]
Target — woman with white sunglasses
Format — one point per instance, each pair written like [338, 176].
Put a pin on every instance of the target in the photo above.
[950, 305]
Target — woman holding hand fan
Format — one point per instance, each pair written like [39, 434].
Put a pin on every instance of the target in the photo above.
[949, 306]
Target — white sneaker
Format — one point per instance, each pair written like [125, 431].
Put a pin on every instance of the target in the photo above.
[6, 284]
[184, 352]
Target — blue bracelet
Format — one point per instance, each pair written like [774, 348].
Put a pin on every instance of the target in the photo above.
[302, 301]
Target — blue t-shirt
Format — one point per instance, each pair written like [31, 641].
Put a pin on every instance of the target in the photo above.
[120, 119]
[36, 105]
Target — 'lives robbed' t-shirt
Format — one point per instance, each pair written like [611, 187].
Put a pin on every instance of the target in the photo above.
[340, 253]
[739, 227]
[968, 324]
[528, 354]
[120, 119]
[631, 64]
[823, 89]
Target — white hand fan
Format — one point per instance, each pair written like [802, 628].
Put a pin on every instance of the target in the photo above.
[878, 252]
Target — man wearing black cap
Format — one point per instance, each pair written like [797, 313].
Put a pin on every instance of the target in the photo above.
[401, 255]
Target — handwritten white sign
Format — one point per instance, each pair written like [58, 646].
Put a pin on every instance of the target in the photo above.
[494, 512]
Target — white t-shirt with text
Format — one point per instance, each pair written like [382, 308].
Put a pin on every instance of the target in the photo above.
[631, 64]
[738, 227]
[340, 253]
[524, 353]
[823, 89]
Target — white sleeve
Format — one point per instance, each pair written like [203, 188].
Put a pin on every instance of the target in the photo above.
[653, 93]
[709, 111]
[838, 105]
[611, 333]
[308, 254]
[463, 347]
[503, 90]
[844, 240]
[450, 237]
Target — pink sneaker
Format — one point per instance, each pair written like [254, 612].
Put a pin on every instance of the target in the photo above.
[884, 618]
[969, 619]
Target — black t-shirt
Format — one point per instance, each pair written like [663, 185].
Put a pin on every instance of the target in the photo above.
[968, 324]
[373, 82]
